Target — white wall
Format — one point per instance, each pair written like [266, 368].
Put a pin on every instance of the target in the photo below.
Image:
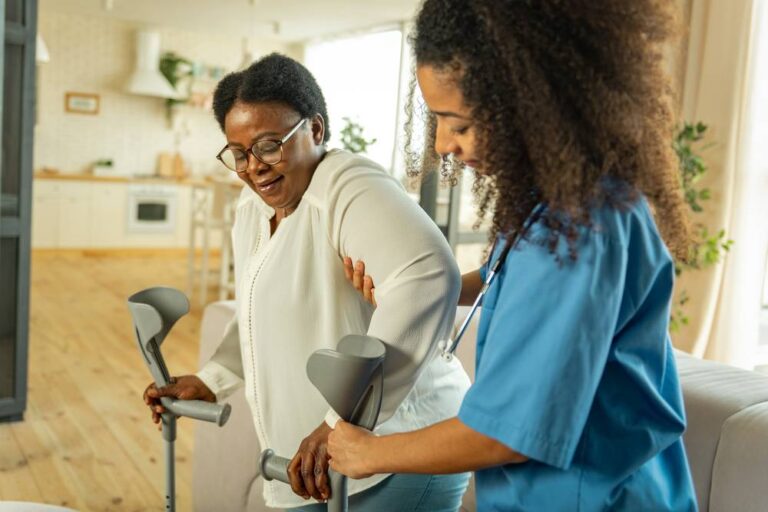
[96, 55]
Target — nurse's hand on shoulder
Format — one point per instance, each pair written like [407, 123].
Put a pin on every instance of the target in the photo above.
[471, 283]
[362, 283]
[308, 470]
[186, 387]
[349, 448]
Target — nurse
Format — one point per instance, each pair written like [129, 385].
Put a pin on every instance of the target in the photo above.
[561, 107]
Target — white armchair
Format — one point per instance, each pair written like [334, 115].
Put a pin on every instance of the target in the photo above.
[225, 473]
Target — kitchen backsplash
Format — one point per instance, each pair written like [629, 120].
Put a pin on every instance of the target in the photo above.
[97, 55]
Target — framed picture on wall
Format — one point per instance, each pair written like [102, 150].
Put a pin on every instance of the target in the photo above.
[81, 103]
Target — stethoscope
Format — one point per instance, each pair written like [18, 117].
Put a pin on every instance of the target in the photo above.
[447, 350]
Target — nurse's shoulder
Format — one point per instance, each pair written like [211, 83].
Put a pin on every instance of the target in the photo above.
[633, 228]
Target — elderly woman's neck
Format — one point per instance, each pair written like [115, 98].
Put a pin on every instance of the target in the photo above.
[284, 211]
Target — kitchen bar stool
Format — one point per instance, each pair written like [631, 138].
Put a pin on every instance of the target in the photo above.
[212, 209]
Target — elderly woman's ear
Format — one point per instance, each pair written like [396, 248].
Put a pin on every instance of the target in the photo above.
[317, 124]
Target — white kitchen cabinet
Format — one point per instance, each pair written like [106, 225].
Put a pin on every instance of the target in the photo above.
[45, 214]
[94, 214]
[75, 216]
[108, 213]
[61, 214]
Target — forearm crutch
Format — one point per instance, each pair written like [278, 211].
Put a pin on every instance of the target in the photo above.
[351, 380]
[155, 311]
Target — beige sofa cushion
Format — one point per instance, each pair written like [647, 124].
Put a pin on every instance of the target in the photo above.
[740, 473]
[727, 435]
[225, 474]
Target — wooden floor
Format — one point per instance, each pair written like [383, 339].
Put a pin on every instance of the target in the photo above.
[86, 441]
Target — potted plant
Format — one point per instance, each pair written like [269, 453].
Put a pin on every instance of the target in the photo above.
[103, 167]
[352, 137]
[176, 69]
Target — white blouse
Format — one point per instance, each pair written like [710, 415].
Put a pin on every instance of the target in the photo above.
[293, 299]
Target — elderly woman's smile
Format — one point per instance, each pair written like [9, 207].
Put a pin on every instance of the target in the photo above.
[269, 186]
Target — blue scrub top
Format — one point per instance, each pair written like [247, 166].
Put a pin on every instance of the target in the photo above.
[575, 370]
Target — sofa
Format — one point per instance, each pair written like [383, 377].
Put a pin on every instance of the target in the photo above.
[726, 440]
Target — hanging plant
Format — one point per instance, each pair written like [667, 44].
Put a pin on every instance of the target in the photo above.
[707, 248]
[175, 69]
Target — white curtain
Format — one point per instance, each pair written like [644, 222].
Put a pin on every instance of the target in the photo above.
[725, 88]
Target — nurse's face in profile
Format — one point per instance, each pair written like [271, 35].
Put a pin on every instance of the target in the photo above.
[456, 131]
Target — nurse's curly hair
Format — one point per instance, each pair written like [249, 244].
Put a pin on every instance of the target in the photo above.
[566, 96]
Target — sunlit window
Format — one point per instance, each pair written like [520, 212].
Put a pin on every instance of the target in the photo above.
[360, 78]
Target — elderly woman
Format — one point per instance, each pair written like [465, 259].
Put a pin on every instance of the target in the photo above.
[304, 210]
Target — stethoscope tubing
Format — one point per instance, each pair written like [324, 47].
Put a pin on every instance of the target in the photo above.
[449, 349]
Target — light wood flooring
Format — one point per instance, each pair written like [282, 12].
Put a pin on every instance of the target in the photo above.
[87, 441]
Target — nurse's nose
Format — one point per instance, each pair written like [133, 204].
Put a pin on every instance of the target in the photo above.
[445, 143]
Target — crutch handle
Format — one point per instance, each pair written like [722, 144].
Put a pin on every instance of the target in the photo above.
[198, 409]
[274, 467]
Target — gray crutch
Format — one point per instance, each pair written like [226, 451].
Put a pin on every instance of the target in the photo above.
[155, 311]
[351, 380]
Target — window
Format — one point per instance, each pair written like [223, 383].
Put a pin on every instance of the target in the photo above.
[360, 78]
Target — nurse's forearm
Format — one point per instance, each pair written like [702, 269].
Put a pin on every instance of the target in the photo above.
[446, 447]
[471, 283]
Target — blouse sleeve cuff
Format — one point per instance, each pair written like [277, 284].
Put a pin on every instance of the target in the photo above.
[331, 418]
[220, 380]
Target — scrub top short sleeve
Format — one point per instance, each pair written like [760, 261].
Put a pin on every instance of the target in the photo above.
[536, 377]
[575, 370]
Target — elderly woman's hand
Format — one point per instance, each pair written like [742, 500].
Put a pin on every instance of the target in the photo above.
[349, 449]
[308, 470]
[362, 283]
[186, 387]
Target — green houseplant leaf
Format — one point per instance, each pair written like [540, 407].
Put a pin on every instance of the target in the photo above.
[707, 249]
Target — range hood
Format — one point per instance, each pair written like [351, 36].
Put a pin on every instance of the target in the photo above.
[146, 79]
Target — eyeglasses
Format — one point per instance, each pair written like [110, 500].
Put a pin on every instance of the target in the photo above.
[267, 151]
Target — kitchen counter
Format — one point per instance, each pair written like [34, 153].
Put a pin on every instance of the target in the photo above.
[83, 211]
[40, 175]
